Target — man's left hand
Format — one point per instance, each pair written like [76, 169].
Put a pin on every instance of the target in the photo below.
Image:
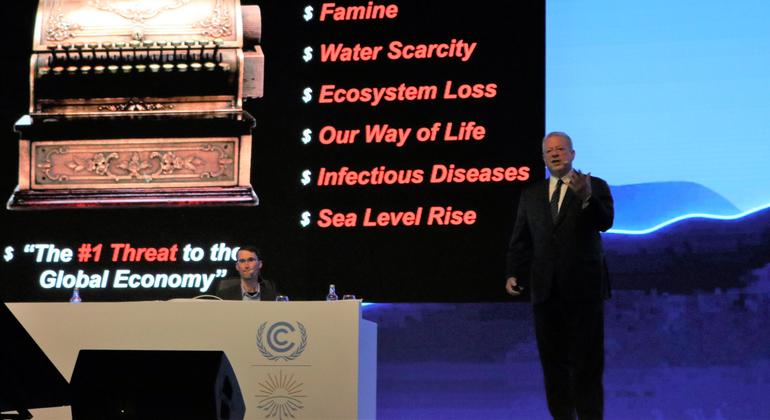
[581, 184]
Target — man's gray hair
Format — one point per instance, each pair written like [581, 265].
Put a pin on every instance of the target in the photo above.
[558, 134]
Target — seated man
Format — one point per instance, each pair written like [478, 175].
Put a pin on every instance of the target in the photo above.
[250, 285]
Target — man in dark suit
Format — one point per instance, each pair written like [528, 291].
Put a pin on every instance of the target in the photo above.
[556, 244]
[251, 285]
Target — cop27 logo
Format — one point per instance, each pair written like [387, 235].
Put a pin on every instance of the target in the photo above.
[281, 340]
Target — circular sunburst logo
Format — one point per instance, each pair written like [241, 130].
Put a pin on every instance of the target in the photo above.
[280, 396]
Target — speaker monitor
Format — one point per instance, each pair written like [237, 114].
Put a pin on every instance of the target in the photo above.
[154, 384]
[28, 379]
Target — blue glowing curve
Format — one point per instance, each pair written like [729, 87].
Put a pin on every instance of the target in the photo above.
[662, 225]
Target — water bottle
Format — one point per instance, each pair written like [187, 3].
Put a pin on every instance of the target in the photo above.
[332, 293]
[75, 298]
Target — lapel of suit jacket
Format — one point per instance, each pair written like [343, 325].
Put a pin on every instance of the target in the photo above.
[545, 202]
[565, 203]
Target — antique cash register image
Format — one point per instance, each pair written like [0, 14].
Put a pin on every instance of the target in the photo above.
[140, 103]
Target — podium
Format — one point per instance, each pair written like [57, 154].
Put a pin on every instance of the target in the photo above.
[302, 360]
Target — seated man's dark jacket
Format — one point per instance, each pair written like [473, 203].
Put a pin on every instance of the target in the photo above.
[230, 289]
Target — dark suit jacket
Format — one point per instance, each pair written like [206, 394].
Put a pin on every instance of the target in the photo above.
[230, 289]
[566, 254]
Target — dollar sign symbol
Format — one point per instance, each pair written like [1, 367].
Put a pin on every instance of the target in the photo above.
[306, 176]
[308, 13]
[307, 95]
[306, 135]
[304, 221]
[8, 253]
[308, 55]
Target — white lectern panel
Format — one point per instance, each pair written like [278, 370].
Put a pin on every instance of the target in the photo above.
[313, 360]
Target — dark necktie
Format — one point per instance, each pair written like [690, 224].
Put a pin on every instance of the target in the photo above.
[555, 200]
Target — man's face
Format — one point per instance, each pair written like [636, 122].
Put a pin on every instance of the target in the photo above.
[248, 265]
[558, 155]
